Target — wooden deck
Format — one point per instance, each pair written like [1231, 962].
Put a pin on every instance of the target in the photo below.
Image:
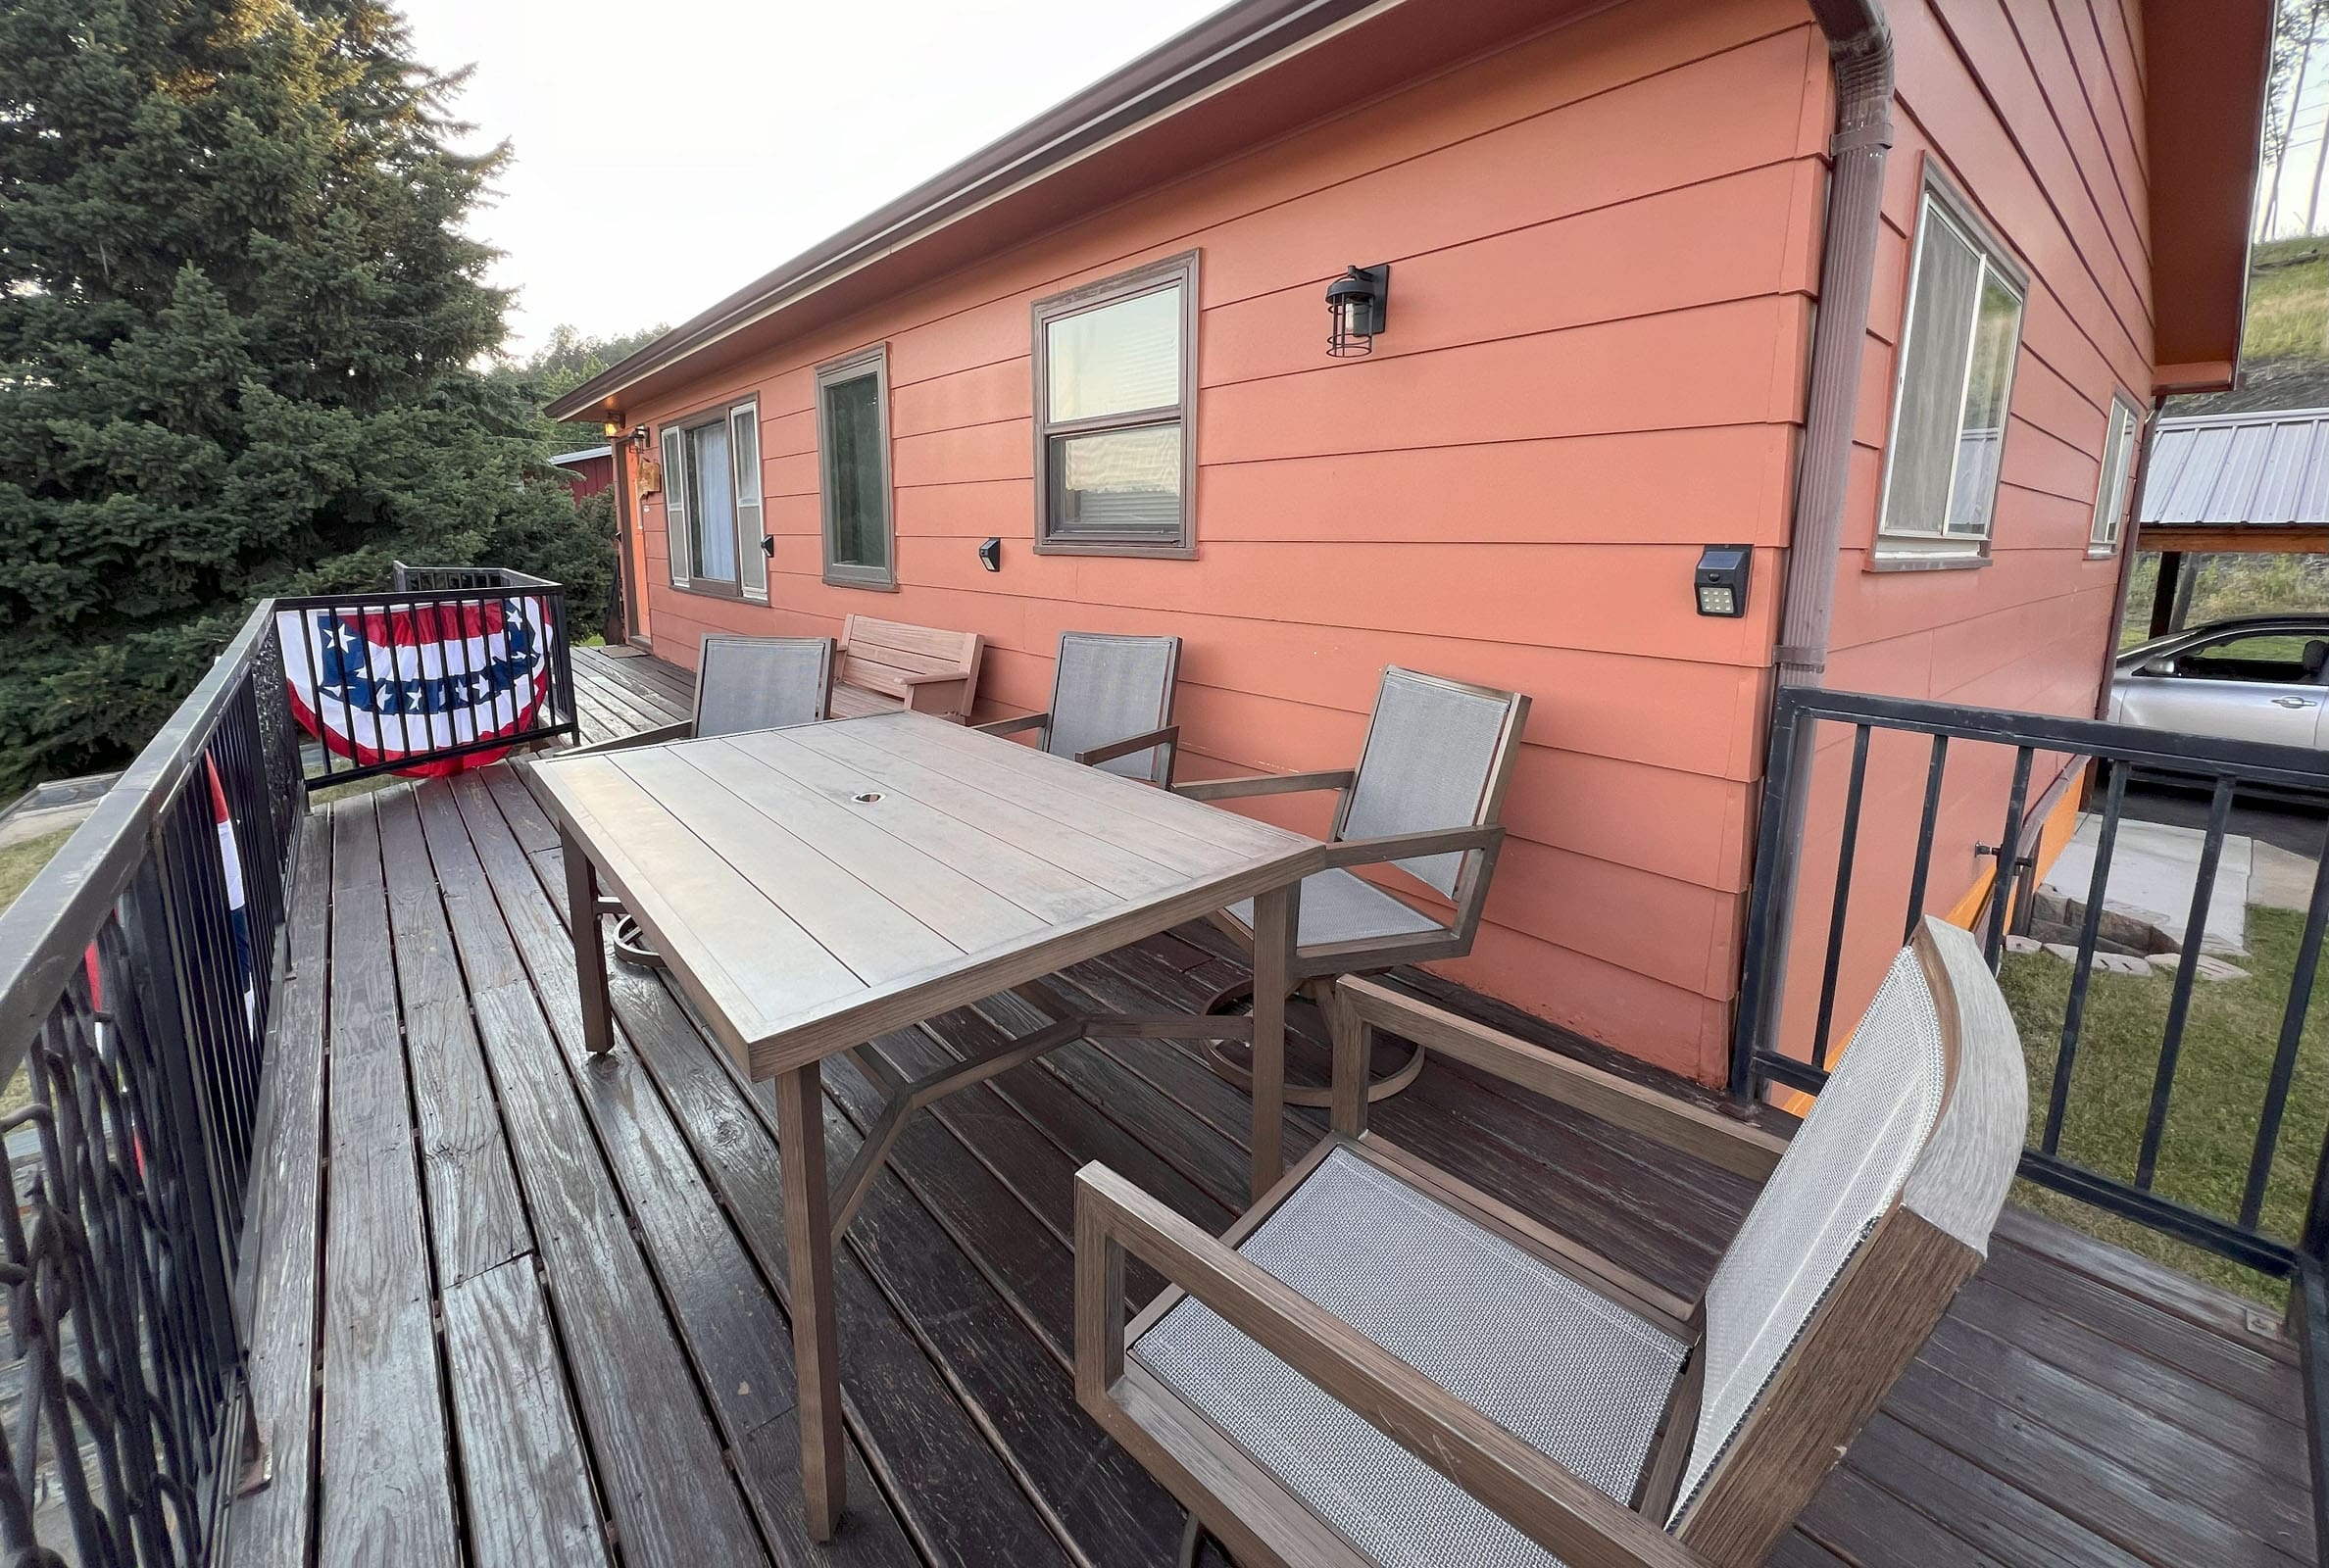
[511, 1305]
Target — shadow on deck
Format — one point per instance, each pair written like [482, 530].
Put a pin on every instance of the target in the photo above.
[511, 1305]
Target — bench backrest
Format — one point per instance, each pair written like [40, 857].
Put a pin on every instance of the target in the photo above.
[879, 654]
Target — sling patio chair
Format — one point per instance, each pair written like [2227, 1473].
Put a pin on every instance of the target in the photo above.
[1381, 1365]
[1111, 706]
[1426, 799]
[742, 683]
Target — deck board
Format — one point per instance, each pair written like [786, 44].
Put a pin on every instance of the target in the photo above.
[603, 1244]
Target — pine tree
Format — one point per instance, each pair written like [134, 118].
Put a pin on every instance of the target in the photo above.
[240, 332]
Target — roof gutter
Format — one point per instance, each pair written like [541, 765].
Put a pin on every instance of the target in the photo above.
[1860, 53]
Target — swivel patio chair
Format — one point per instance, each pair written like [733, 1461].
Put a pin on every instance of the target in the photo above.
[1382, 1367]
[1425, 800]
[742, 683]
[1111, 706]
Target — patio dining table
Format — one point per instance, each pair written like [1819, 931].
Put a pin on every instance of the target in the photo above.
[814, 888]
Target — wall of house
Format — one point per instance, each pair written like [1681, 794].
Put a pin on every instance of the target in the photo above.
[2035, 112]
[1605, 242]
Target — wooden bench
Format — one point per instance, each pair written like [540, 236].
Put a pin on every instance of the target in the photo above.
[885, 666]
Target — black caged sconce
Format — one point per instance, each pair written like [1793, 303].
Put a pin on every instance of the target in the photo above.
[1357, 303]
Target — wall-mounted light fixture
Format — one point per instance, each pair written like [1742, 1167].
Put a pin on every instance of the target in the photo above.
[990, 554]
[1357, 303]
[1721, 580]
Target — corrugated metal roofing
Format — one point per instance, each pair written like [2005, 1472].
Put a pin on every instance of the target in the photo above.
[2262, 468]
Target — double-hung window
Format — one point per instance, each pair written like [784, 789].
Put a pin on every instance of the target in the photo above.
[2118, 465]
[712, 502]
[1957, 348]
[854, 469]
[1115, 371]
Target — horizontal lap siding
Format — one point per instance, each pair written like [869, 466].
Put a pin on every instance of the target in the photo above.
[2034, 112]
[1605, 240]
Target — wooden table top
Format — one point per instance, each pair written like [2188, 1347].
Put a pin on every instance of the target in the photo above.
[818, 886]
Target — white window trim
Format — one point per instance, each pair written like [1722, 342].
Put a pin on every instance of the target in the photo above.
[1894, 545]
[2113, 494]
[748, 510]
[874, 360]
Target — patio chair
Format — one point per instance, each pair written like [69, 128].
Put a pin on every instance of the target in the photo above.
[1111, 706]
[742, 683]
[1381, 1365]
[1424, 800]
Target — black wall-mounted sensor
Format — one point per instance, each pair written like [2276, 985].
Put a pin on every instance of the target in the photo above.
[990, 554]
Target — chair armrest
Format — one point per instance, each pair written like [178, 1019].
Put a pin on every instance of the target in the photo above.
[1410, 846]
[1229, 789]
[683, 730]
[1708, 1135]
[1565, 1515]
[942, 695]
[1169, 735]
[1014, 726]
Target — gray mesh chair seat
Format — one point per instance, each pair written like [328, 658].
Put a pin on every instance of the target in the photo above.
[1108, 691]
[1576, 1377]
[1337, 906]
[1436, 761]
[1432, 1352]
[749, 683]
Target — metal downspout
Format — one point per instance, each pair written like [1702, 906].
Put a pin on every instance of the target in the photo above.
[1861, 54]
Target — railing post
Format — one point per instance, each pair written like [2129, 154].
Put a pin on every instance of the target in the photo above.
[1770, 905]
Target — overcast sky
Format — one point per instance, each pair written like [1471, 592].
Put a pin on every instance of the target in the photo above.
[668, 152]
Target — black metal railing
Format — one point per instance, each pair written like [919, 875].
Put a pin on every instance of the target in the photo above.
[2003, 772]
[136, 974]
[1908, 807]
[450, 663]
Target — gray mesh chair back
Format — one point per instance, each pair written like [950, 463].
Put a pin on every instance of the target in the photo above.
[1435, 758]
[1845, 1168]
[1110, 689]
[747, 683]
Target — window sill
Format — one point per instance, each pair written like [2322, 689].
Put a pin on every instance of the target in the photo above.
[719, 590]
[869, 584]
[1112, 547]
[1921, 561]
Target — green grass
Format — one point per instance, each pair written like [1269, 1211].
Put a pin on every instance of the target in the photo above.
[19, 863]
[2288, 306]
[2228, 1046]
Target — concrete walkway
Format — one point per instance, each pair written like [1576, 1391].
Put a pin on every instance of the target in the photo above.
[2153, 868]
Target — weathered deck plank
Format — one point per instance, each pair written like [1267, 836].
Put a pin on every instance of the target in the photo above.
[2074, 1409]
[280, 1252]
[729, 1319]
[388, 1498]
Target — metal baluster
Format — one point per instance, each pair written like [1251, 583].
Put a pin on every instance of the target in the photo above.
[2008, 854]
[1934, 771]
[1846, 848]
[2074, 1012]
[2283, 1058]
[2179, 1000]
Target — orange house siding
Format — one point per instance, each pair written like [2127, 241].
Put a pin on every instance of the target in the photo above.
[1606, 241]
[2035, 113]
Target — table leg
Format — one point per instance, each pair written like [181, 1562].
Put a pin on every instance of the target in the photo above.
[590, 945]
[809, 1245]
[1275, 916]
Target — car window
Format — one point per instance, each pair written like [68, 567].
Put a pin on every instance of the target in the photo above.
[2252, 656]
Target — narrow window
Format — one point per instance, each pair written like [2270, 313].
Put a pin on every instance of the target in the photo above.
[1115, 389]
[854, 469]
[712, 502]
[1957, 350]
[2118, 465]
